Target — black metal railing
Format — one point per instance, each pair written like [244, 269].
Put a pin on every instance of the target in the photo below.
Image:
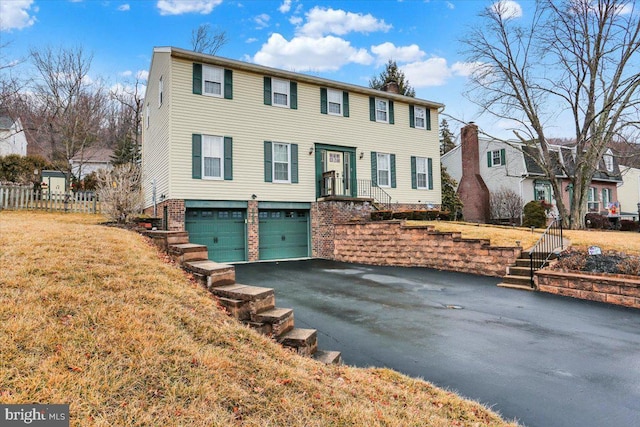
[546, 247]
[368, 189]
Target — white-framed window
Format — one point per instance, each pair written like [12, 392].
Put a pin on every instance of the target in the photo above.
[606, 197]
[422, 178]
[212, 157]
[608, 161]
[496, 157]
[281, 162]
[334, 102]
[212, 80]
[384, 169]
[420, 117]
[160, 90]
[593, 205]
[382, 110]
[280, 92]
[542, 190]
[147, 115]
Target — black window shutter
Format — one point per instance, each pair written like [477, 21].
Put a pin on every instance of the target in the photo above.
[430, 172]
[228, 84]
[412, 116]
[372, 109]
[393, 170]
[323, 100]
[345, 104]
[293, 93]
[391, 118]
[197, 79]
[428, 117]
[374, 168]
[414, 179]
[268, 170]
[196, 156]
[503, 160]
[228, 158]
[267, 91]
[294, 163]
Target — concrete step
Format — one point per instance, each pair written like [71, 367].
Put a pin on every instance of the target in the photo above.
[522, 262]
[263, 328]
[328, 357]
[184, 252]
[516, 286]
[303, 341]
[519, 271]
[517, 280]
[163, 239]
[237, 309]
[255, 298]
[211, 274]
[279, 320]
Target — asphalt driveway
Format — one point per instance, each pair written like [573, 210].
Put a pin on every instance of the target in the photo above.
[542, 359]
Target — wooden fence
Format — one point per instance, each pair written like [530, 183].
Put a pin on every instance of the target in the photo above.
[24, 198]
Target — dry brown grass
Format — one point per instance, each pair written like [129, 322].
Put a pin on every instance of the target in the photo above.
[92, 316]
[621, 241]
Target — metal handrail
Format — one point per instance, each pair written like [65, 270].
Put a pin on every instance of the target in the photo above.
[544, 248]
[367, 189]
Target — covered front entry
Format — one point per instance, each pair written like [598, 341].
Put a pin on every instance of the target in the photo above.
[222, 230]
[335, 171]
[283, 233]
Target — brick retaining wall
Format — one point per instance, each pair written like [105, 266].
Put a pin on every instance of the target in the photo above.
[616, 289]
[395, 243]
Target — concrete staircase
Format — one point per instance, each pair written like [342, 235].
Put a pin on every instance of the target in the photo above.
[252, 305]
[519, 275]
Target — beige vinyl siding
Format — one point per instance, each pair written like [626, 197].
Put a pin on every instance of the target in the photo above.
[249, 122]
[155, 158]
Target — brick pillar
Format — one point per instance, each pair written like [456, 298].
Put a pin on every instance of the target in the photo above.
[253, 227]
[472, 189]
[175, 211]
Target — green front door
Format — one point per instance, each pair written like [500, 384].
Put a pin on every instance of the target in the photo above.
[221, 230]
[284, 234]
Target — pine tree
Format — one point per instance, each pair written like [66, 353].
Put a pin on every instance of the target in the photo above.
[446, 138]
[450, 200]
[392, 73]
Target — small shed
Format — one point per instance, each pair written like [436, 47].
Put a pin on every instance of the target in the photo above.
[53, 183]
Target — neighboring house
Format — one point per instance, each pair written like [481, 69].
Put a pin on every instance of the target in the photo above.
[250, 160]
[12, 136]
[629, 192]
[90, 160]
[483, 166]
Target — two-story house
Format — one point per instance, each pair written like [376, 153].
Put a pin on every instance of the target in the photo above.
[12, 136]
[248, 158]
[483, 166]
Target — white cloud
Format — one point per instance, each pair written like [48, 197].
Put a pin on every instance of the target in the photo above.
[179, 7]
[251, 40]
[432, 72]
[330, 21]
[626, 9]
[450, 5]
[310, 54]
[16, 14]
[387, 50]
[124, 7]
[142, 75]
[285, 6]
[295, 20]
[127, 73]
[465, 69]
[507, 8]
[262, 20]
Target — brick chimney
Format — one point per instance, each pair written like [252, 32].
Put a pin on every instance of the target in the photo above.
[472, 189]
[391, 87]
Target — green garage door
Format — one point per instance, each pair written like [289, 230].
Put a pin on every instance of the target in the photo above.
[284, 234]
[222, 230]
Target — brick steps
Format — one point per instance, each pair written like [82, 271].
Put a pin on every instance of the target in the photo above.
[252, 305]
[519, 275]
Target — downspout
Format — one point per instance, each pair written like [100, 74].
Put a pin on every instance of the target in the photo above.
[521, 191]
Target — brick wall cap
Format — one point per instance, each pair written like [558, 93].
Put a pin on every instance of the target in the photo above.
[619, 278]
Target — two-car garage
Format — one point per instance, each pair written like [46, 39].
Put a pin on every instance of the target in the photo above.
[224, 227]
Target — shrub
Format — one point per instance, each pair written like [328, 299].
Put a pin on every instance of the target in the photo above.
[628, 225]
[120, 192]
[597, 221]
[381, 215]
[534, 215]
[402, 215]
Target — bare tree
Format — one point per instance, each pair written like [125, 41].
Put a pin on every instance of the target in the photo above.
[573, 56]
[120, 191]
[506, 204]
[206, 40]
[10, 82]
[125, 123]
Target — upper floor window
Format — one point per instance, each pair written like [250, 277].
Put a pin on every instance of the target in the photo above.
[334, 100]
[420, 118]
[381, 110]
[160, 90]
[496, 158]
[608, 161]
[212, 80]
[281, 93]
[212, 157]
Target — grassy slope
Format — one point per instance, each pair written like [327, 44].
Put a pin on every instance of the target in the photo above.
[621, 241]
[94, 317]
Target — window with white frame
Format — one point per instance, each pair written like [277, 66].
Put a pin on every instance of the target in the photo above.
[608, 161]
[420, 115]
[422, 179]
[334, 99]
[384, 169]
[280, 92]
[542, 190]
[606, 197]
[382, 110]
[593, 205]
[212, 157]
[281, 162]
[160, 90]
[212, 80]
[496, 158]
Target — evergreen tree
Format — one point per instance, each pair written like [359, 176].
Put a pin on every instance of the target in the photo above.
[126, 151]
[392, 73]
[450, 200]
[446, 138]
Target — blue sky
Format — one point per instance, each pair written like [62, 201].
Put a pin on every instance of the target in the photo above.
[347, 41]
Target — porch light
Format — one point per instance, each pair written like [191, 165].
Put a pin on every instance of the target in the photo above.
[362, 157]
[311, 150]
